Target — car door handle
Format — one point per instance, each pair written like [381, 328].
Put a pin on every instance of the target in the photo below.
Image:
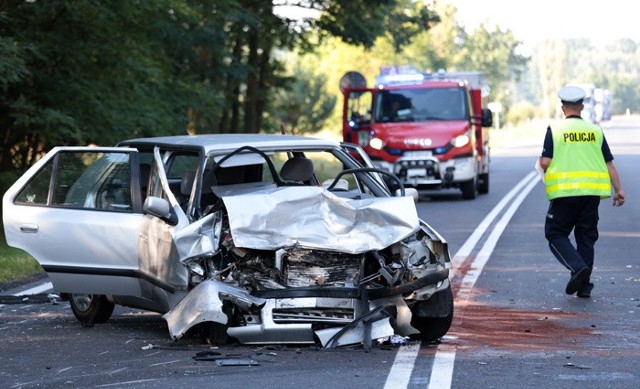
[29, 227]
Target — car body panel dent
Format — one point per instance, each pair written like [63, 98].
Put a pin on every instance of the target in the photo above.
[159, 257]
[200, 238]
[323, 220]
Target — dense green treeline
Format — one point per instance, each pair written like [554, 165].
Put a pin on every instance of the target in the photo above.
[99, 71]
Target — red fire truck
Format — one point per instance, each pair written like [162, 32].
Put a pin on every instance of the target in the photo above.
[427, 128]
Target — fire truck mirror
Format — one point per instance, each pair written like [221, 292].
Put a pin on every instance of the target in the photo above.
[487, 117]
[352, 80]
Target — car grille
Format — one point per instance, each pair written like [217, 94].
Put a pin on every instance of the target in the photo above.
[317, 315]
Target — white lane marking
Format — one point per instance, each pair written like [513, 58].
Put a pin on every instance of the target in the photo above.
[481, 259]
[400, 372]
[442, 373]
[443, 364]
[36, 289]
[473, 239]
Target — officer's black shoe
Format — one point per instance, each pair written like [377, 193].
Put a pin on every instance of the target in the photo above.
[577, 279]
[585, 290]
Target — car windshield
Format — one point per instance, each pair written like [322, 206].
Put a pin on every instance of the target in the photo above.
[319, 167]
[425, 104]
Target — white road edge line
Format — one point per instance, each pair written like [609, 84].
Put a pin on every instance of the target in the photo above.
[445, 355]
[442, 373]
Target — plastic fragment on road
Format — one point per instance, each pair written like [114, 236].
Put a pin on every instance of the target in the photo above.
[573, 366]
[236, 362]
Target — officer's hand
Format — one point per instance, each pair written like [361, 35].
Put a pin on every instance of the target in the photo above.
[618, 198]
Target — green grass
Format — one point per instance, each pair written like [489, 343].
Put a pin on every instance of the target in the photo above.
[15, 264]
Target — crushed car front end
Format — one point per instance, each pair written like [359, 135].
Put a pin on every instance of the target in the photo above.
[303, 265]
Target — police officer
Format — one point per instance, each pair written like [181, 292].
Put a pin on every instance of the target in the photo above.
[579, 171]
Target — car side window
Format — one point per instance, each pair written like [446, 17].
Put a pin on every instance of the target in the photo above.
[37, 190]
[181, 172]
[90, 180]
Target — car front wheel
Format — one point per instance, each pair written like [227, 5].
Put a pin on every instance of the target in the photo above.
[433, 317]
[91, 308]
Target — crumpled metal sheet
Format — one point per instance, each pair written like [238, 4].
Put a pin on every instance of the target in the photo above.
[315, 218]
[403, 317]
[204, 304]
[379, 329]
[199, 238]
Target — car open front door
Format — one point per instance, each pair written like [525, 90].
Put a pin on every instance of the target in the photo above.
[77, 212]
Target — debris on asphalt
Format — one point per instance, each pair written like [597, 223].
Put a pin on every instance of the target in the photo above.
[572, 366]
[234, 359]
[397, 339]
[39, 298]
[237, 362]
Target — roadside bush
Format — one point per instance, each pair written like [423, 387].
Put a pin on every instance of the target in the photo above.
[522, 112]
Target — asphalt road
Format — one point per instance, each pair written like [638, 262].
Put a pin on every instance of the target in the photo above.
[514, 327]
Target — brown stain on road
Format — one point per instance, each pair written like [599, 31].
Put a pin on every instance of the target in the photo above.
[478, 325]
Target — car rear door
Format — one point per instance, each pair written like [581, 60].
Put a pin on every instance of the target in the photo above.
[78, 212]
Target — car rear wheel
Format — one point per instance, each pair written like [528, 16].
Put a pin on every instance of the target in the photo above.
[91, 308]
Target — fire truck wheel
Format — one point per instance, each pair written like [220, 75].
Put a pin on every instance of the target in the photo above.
[483, 183]
[469, 189]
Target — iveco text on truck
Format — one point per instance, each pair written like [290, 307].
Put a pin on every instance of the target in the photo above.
[428, 129]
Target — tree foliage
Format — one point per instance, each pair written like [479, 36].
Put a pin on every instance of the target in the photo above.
[304, 106]
[613, 67]
[76, 72]
[445, 45]
[90, 72]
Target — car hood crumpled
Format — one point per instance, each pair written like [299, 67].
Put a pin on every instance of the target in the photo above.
[314, 218]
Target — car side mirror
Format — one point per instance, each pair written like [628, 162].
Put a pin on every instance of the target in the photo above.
[158, 207]
[409, 192]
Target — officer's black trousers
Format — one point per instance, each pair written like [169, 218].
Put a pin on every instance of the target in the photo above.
[580, 214]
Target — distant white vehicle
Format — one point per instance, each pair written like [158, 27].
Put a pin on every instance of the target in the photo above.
[261, 238]
[590, 111]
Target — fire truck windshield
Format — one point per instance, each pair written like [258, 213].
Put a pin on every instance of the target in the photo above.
[420, 104]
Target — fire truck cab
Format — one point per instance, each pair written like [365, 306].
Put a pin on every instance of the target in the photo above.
[428, 129]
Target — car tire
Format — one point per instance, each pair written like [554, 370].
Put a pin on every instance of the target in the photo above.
[218, 334]
[91, 308]
[433, 327]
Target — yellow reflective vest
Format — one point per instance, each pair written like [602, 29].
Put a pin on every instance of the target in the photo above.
[577, 167]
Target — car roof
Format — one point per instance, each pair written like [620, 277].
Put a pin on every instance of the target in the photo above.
[219, 142]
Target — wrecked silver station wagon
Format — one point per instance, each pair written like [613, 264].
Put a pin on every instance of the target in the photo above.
[259, 238]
